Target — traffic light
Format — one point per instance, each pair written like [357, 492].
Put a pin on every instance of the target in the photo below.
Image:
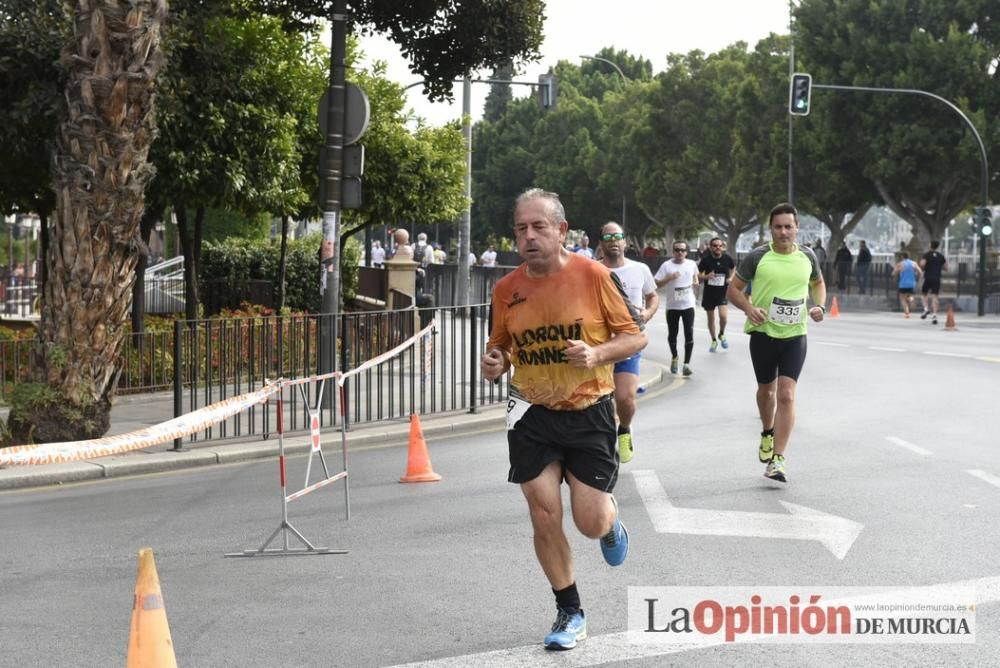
[547, 90]
[799, 93]
[984, 218]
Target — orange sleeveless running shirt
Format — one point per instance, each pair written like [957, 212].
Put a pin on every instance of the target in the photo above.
[533, 318]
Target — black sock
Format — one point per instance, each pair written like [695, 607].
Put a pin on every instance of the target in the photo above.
[622, 429]
[722, 332]
[568, 599]
[768, 432]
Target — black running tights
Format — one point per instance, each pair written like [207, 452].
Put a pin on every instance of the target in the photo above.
[674, 318]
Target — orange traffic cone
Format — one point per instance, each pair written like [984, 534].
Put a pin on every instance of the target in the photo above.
[949, 324]
[418, 464]
[834, 308]
[149, 644]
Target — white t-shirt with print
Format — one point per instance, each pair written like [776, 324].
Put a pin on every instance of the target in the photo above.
[680, 291]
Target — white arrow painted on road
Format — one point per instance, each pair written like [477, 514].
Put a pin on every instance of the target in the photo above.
[837, 534]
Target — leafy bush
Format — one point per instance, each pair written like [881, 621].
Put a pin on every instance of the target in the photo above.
[238, 260]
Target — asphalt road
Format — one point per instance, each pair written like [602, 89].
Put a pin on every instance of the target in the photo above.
[896, 435]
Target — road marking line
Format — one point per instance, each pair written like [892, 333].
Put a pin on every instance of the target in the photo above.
[620, 647]
[887, 350]
[989, 359]
[931, 352]
[835, 345]
[909, 446]
[984, 476]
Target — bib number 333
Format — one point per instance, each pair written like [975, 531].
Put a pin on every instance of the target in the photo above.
[785, 311]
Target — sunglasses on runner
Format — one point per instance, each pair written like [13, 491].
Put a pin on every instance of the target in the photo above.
[680, 250]
[613, 236]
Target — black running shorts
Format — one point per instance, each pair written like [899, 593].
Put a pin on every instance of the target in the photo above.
[713, 297]
[931, 286]
[776, 357]
[584, 441]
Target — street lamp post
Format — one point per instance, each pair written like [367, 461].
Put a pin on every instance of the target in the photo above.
[624, 81]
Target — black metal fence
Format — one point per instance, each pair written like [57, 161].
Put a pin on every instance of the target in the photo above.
[217, 359]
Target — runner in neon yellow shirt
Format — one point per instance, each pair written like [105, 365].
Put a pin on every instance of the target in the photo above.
[784, 276]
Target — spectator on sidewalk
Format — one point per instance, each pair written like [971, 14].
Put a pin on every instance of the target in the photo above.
[863, 267]
[843, 259]
[378, 254]
[585, 250]
[820, 253]
[489, 257]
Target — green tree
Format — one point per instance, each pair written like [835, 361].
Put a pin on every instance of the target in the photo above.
[920, 157]
[31, 102]
[443, 39]
[500, 94]
[233, 114]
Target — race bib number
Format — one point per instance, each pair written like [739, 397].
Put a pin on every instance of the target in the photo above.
[516, 408]
[682, 293]
[718, 279]
[786, 312]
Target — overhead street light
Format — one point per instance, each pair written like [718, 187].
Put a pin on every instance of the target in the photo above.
[624, 80]
[609, 62]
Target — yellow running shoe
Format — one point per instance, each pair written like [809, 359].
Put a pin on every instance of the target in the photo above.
[776, 469]
[625, 448]
[766, 449]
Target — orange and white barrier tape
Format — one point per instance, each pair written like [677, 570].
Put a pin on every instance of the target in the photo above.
[189, 423]
[185, 425]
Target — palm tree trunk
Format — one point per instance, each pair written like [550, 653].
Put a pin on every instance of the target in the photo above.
[100, 171]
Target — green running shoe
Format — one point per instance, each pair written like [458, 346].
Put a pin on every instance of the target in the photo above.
[724, 341]
[625, 451]
[766, 449]
[715, 346]
[776, 469]
[674, 364]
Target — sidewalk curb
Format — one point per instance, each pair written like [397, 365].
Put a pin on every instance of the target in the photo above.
[487, 418]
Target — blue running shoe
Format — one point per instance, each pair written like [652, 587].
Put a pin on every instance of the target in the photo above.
[614, 544]
[724, 341]
[568, 628]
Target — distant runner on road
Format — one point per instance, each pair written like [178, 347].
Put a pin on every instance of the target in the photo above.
[933, 263]
[716, 270]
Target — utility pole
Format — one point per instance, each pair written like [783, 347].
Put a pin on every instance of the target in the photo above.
[465, 227]
[331, 181]
[791, 71]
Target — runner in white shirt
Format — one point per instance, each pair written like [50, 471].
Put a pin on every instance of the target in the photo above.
[640, 288]
[680, 275]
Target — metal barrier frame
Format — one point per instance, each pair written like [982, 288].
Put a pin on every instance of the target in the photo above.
[285, 528]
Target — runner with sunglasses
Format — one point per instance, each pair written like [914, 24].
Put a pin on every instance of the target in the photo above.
[640, 288]
[682, 276]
